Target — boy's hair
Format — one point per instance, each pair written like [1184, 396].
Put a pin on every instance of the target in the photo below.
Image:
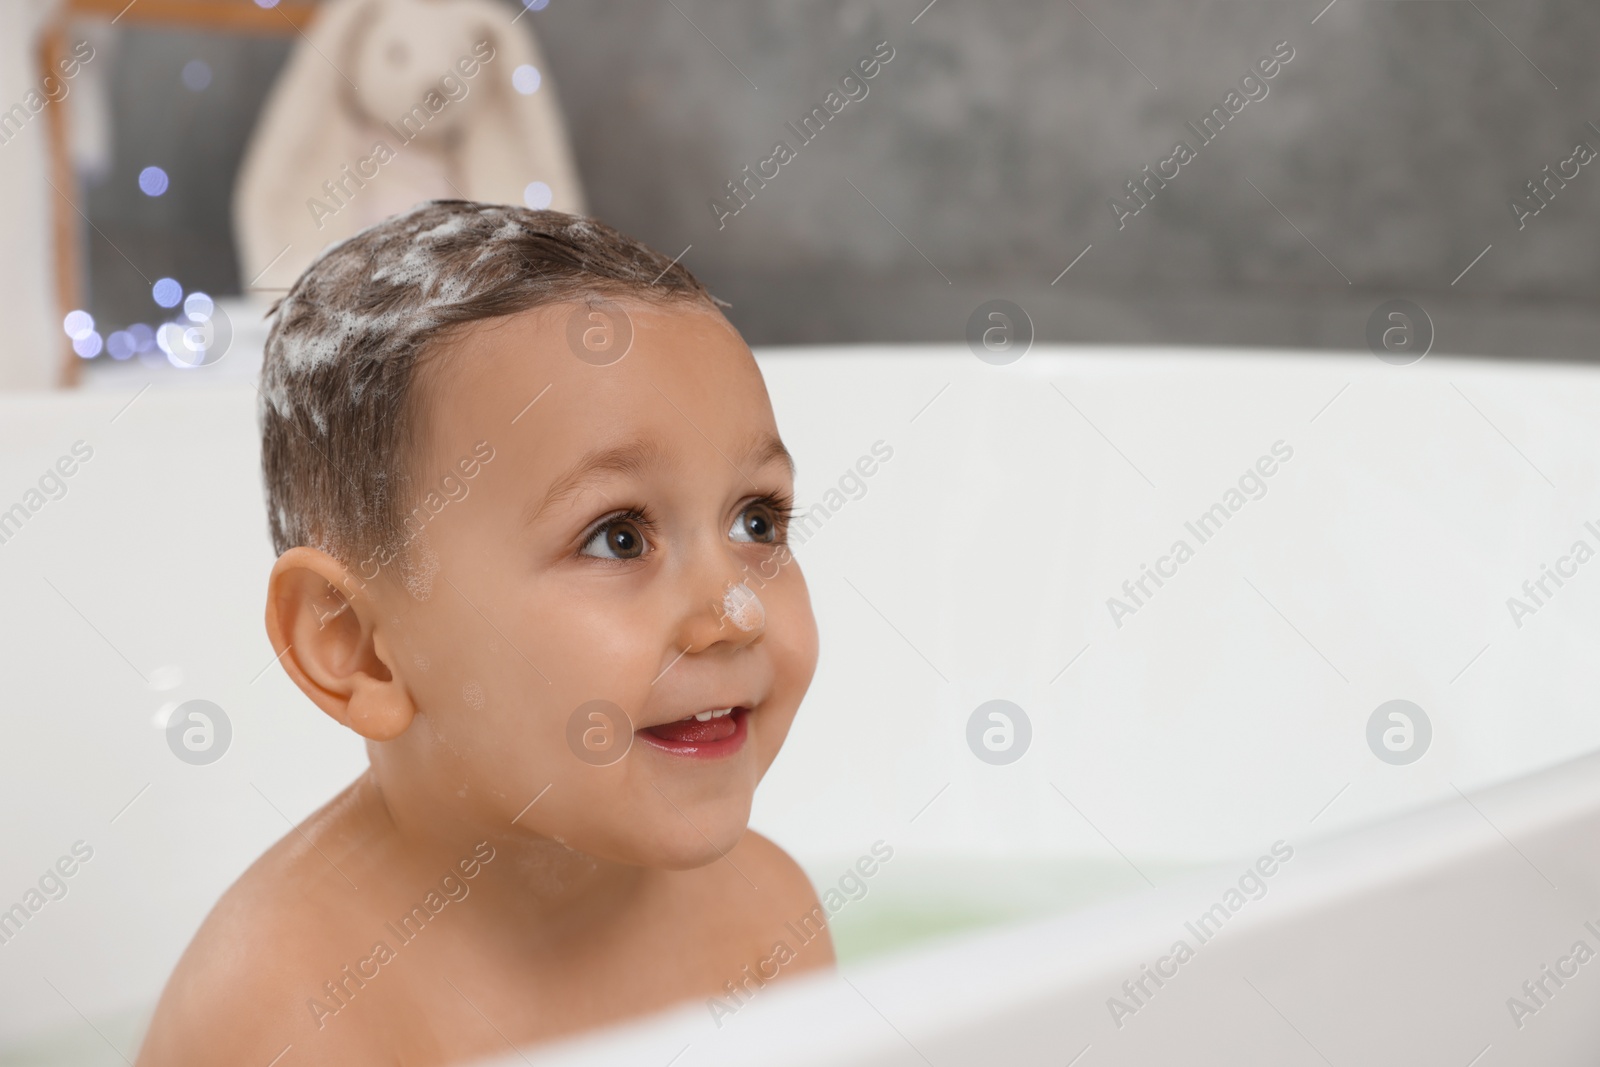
[341, 418]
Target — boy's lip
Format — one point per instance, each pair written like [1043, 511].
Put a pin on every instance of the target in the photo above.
[712, 739]
[688, 716]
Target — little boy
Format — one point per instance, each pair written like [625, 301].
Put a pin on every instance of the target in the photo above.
[530, 505]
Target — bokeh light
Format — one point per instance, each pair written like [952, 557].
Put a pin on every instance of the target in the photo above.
[525, 79]
[196, 74]
[535, 5]
[266, 3]
[78, 324]
[88, 346]
[144, 338]
[167, 292]
[121, 345]
[537, 195]
[198, 306]
[153, 181]
[184, 343]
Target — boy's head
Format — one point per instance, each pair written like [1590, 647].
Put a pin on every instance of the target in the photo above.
[530, 504]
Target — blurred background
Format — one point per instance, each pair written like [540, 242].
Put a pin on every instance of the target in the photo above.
[981, 162]
[168, 167]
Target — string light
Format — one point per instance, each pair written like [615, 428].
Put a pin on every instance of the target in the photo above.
[525, 79]
[196, 75]
[167, 292]
[198, 306]
[78, 324]
[121, 345]
[153, 181]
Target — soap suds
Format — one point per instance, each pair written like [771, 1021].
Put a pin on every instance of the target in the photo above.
[448, 228]
[367, 306]
[419, 567]
[743, 608]
[472, 693]
[310, 327]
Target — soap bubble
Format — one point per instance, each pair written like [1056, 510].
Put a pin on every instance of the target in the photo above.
[167, 676]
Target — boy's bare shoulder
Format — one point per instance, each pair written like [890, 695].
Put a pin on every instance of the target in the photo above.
[239, 993]
[779, 874]
[779, 897]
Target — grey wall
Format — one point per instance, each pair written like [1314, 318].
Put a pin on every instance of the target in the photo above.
[995, 137]
[197, 137]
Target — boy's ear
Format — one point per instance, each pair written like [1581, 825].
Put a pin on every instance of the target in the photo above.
[321, 622]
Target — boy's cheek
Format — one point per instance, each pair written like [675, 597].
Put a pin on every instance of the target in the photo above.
[791, 634]
[798, 596]
[770, 727]
[517, 737]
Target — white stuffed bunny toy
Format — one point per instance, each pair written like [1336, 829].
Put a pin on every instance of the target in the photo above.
[387, 103]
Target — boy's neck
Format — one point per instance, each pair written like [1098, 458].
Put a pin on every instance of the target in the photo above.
[533, 877]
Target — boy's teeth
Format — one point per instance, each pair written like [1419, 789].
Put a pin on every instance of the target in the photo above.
[707, 716]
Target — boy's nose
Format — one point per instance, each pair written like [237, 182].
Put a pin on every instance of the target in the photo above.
[742, 607]
[735, 618]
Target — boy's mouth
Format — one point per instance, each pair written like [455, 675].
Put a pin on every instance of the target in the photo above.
[715, 732]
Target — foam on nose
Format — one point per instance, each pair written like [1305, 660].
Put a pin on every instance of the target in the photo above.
[743, 608]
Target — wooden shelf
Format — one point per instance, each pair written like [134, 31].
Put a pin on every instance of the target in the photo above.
[234, 16]
[286, 18]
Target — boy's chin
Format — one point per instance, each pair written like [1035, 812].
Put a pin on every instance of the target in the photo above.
[678, 846]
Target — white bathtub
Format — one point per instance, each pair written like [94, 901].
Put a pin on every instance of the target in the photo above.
[1227, 712]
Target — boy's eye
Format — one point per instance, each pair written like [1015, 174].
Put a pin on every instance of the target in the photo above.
[620, 538]
[756, 523]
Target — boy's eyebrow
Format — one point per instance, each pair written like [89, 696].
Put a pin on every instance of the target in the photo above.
[633, 457]
[765, 448]
[630, 457]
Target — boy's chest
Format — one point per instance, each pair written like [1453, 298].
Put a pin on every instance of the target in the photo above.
[459, 1000]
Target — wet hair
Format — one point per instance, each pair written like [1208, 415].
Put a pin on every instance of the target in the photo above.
[341, 408]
